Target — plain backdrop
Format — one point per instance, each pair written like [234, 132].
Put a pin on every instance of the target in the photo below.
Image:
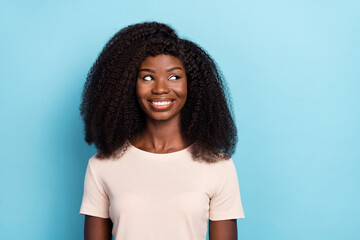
[293, 68]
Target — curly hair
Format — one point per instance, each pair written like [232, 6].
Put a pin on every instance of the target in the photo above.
[110, 109]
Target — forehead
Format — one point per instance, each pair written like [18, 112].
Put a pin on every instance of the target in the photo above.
[161, 61]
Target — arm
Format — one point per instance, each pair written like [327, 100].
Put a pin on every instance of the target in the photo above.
[97, 228]
[223, 230]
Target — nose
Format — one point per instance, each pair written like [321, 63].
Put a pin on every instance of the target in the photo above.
[161, 87]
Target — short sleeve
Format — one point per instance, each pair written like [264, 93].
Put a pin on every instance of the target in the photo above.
[226, 201]
[95, 201]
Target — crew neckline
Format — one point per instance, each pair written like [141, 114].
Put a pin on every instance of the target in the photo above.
[161, 156]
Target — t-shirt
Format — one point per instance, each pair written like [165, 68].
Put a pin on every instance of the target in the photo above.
[160, 196]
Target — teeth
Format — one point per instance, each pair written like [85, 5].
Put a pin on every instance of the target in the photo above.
[161, 103]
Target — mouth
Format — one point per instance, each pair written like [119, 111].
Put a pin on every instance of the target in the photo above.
[161, 104]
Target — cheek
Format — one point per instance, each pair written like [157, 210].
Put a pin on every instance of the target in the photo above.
[182, 91]
[140, 91]
[141, 95]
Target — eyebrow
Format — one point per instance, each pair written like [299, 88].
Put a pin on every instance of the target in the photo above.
[173, 68]
[153, 71]
[147, 70]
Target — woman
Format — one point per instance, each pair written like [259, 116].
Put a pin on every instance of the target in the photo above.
[154, 105]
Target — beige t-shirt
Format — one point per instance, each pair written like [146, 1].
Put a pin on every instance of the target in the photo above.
[160, 196]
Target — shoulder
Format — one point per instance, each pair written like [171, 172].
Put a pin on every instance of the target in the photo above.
[216, 171]
[223, 165]
[96, 162]
[102, 165]
[220, 174]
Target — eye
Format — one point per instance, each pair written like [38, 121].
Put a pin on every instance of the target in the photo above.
[173, 77]
[148, 78]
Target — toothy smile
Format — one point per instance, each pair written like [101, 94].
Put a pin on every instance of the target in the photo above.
[161, 104]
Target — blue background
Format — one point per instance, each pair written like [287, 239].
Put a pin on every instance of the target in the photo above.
[293, 68]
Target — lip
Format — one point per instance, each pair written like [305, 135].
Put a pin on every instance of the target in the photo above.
[161, 107]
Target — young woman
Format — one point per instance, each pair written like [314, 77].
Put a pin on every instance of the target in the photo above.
[155, 107]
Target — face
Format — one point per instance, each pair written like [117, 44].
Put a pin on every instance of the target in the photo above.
[161, 87]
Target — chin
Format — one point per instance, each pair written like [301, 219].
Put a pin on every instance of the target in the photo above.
[160, 118]
[163, 116]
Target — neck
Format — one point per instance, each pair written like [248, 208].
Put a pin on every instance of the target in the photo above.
[161, 136]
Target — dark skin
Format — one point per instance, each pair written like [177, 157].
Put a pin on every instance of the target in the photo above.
[161, 90]
[97, 228]
[223, 230]
[100, 229]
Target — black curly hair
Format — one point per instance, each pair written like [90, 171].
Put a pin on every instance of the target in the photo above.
[110, 109]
